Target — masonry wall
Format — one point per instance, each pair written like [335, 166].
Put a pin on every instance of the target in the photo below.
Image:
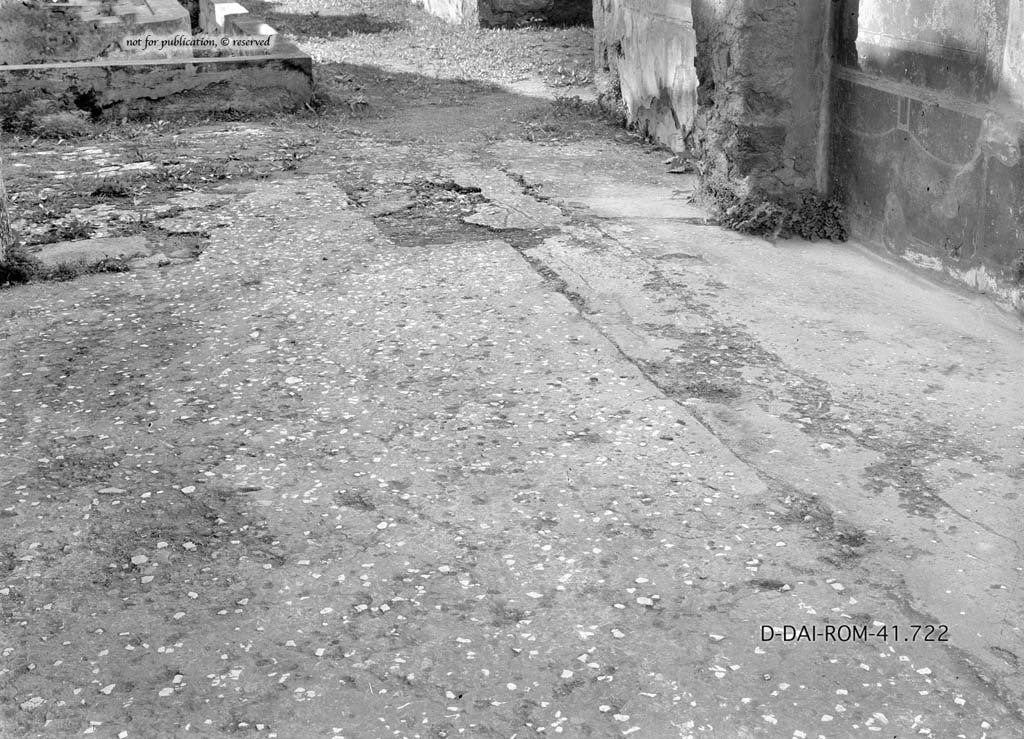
[927, 110]
[762, 97]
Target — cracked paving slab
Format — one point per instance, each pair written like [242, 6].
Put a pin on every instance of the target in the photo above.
[831, 374]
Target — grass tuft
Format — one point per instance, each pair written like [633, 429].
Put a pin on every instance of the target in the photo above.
[804, 214]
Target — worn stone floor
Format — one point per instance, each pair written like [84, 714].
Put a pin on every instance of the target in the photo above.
[448, 433]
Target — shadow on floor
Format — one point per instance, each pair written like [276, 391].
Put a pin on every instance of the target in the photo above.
[299, 26]
[431, 109]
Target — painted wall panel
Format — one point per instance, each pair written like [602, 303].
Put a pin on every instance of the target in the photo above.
[926, 134]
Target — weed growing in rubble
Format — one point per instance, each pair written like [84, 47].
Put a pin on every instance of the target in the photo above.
[805, 214]
[73, 229]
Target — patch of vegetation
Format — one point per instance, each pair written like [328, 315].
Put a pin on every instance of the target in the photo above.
[805, 214]
[22, 267]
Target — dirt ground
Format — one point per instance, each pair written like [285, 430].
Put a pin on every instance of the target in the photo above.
[441, 411]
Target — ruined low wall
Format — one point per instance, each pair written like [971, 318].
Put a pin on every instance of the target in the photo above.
[648, 47]
[763, 69]
[498, 13]
[926, 148]
[453, 11]
[72, 56]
